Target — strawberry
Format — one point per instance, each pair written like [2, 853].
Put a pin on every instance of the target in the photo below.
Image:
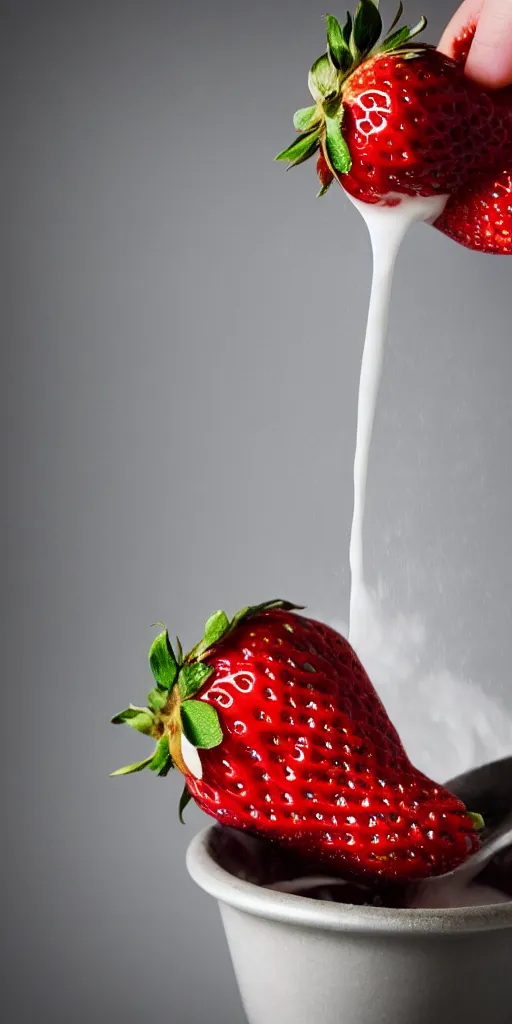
[461, 44]
[479, 215]
[396, 117]
[293, 744]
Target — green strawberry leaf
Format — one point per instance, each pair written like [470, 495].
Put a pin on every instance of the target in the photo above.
[347, 30]
[306, 118]
[277, 602]
[166, 768]
[477, 821]
[215, 627]
[201, 724]
[337, 49]
[337, 149]
[402, 35]
[157, 699]
[161, 757]
[243, 614]
[395, 39]
[416, 29]
[267, 606]
[367, 27]
[325, 188]
[397, 17]
[301, 149]
[326, 177]
[324, 79]
[140, 719]
[179, 650]
[131, 768]
[218, 624]
[163, 662]
[192, 677]
[185, 799]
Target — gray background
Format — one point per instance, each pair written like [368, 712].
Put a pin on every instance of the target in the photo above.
[182, 329]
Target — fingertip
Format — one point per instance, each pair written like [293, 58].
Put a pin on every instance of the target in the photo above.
[490, 58]
[495, 73]
[462, 26]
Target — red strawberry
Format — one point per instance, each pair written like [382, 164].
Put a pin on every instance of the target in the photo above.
[396, 117]
[461, 44]
[297, 747]
[479, 215]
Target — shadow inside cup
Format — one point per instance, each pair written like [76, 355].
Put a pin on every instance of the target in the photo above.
[488, 790]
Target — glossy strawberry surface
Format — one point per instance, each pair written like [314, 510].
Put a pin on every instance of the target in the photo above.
[394, 117]
[418, 126]
[479, 216]
[310, 758]
[461, 44]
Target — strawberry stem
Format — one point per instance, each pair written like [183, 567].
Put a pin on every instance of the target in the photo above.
[171, 711]
[347, 47]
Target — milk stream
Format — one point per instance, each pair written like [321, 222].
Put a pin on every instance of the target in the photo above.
[453, 725]
[387, 227]
[447, 724]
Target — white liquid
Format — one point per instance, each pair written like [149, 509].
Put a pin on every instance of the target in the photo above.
[447, 724]
[388, 227]
[191, 757]
[393, 646]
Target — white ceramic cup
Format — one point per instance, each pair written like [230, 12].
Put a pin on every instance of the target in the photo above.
[304, 961]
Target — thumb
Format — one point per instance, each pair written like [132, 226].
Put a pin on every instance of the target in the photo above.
[458, 35]
[490, 57]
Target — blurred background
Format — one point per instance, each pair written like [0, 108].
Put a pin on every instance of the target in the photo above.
[182, 333]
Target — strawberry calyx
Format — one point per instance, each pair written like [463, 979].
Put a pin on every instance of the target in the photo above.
[173, 716]
[319, 126]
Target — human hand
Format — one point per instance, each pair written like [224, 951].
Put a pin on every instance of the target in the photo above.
[489, 60]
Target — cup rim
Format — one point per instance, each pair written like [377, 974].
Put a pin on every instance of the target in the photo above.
[288, 908]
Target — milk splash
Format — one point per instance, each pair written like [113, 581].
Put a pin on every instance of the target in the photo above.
[447, 724]
[452, 725]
